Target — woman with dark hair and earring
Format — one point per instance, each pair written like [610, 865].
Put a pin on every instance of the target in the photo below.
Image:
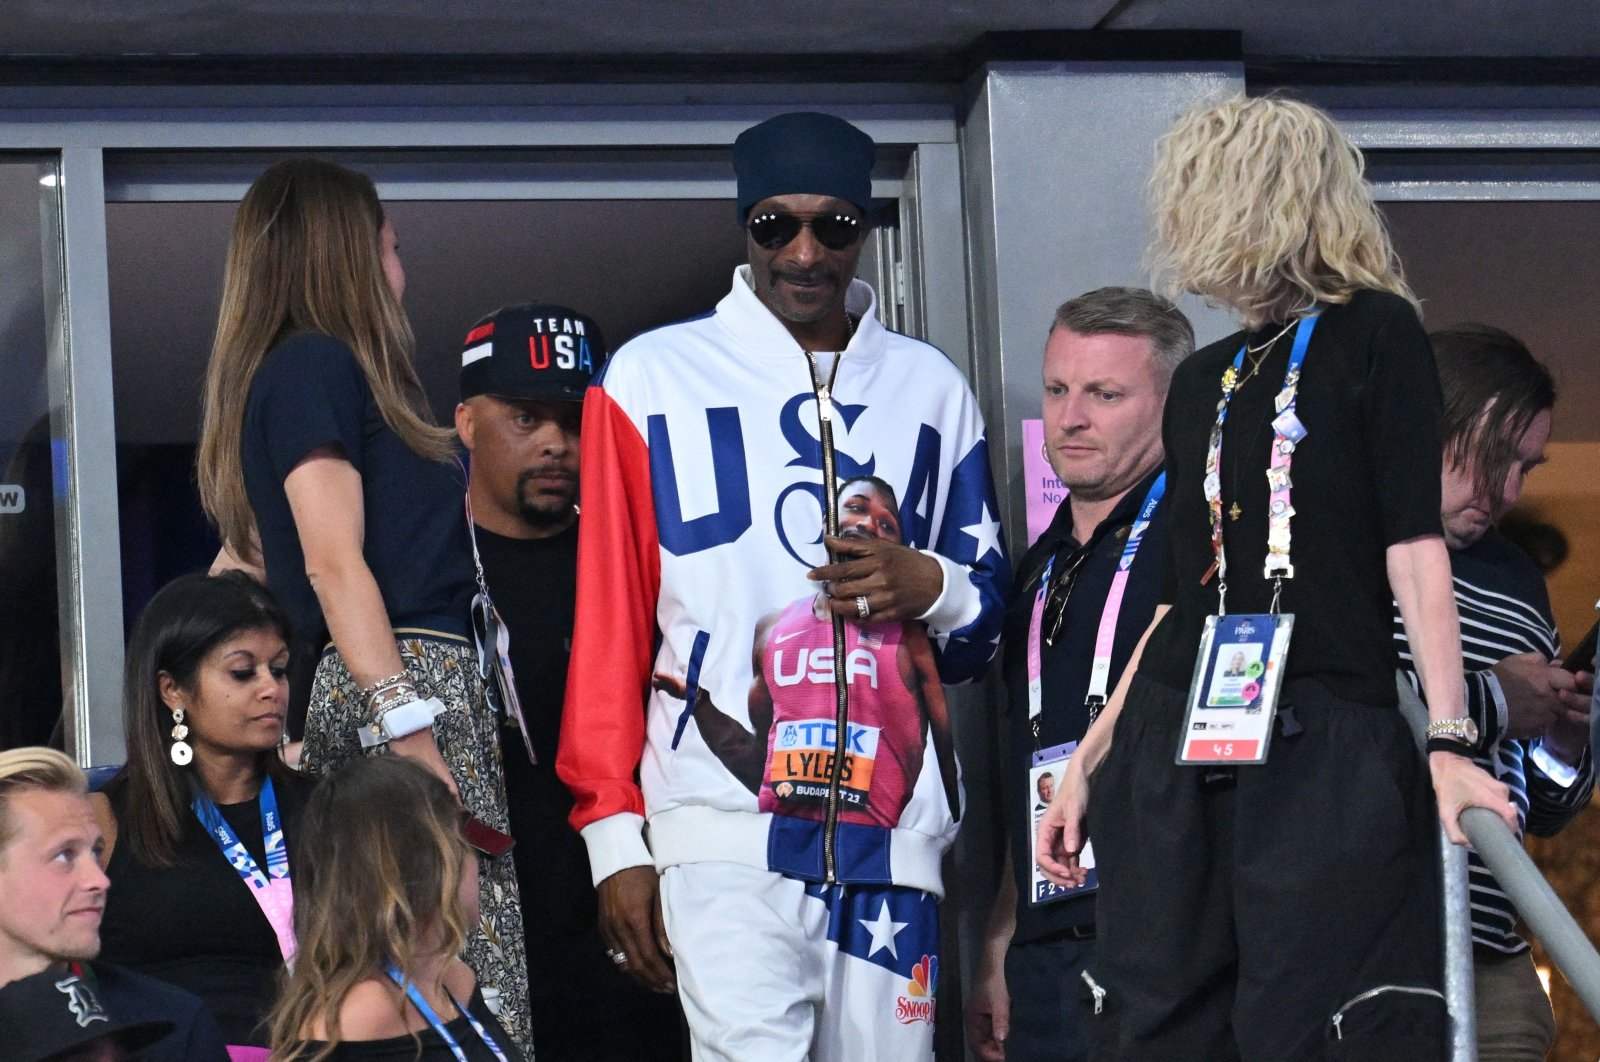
[388, 891]
[1269, 881]
[321, 465]
[195, 822]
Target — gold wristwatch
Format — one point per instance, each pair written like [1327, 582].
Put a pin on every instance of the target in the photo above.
[1463, 730]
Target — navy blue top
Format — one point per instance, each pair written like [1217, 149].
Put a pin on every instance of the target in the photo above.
[311, 393]
[1065, 668]
[133, 997]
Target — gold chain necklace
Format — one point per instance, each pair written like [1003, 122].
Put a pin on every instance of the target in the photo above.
[1256, 363]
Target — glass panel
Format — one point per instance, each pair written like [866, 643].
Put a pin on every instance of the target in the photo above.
[1530, 269]
[629, 264]
[32, 453]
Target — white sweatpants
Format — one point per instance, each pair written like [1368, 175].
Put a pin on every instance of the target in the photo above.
[771, 969]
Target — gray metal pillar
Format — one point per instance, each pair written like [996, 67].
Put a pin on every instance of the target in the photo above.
[87, 542]
[1055, 158]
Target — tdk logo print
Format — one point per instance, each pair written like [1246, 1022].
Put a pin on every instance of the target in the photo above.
[800, 507]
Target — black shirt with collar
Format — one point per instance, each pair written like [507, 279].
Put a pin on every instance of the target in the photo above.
[1065, 667]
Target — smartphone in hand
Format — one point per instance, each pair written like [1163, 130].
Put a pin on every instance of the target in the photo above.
[1582, 657]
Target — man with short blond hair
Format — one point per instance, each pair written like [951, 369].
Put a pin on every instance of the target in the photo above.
[1085, 593]
[52, 896]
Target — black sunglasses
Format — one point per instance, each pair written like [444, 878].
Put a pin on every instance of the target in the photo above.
[1055, 602]
[774, 231]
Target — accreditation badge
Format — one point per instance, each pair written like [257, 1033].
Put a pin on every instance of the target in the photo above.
[1045, 770]
[1233, 698]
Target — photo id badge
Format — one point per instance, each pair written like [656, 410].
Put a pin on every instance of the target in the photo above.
[1234, 696]
[1045, 771]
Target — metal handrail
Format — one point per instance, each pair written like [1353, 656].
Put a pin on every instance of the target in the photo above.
[1563, 939]
[1518, 877]
[1458, 977]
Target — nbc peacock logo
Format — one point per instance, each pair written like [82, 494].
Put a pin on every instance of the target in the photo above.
[918, 1002]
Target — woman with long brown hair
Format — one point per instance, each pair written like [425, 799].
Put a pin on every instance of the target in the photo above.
[320, 463]
[1265, 842]
[387, 894]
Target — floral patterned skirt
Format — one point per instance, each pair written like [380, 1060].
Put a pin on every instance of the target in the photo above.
[468, 739]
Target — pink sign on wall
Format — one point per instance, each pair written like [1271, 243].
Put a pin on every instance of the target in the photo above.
[1043, 490]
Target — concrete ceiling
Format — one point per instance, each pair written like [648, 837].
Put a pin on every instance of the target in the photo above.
[1271, 28]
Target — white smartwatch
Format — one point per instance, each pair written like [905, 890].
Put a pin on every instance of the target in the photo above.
[402, 719]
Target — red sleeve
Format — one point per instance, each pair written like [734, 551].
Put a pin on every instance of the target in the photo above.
[613, 639]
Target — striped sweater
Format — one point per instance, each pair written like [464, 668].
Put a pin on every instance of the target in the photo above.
[1505, 610]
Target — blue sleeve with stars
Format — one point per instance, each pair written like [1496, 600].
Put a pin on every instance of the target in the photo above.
[971, 536]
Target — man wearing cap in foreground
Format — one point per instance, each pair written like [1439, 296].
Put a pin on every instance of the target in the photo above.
[58, 1017]
[52, 894]
[712, 452]
[524, 371]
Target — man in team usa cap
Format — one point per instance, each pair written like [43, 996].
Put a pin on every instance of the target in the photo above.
[524, 372]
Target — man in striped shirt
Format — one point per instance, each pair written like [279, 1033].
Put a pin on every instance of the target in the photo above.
[1532, 716]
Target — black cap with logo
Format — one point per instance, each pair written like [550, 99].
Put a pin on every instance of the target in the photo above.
[533, 351]
[49, 1014]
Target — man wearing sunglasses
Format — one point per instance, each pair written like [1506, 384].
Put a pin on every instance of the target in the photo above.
[1107, 363]
[713, 451]
[524, 372]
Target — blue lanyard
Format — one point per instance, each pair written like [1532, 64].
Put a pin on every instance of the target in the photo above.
[234, 849]
[438, 1026]
[1279, 529]
[1147, 512]
[1100, 666]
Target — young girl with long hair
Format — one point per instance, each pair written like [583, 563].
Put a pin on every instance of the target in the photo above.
[1284, 907]
[388, 893]
[320, 463]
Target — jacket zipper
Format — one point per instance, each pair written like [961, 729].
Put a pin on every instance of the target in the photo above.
[1338, 1018]
[841, 690]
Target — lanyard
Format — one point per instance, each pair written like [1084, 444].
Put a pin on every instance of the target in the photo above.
[1286, 432]
[1100, 668]
[438, 1026]
[272, 891]
[493, 641]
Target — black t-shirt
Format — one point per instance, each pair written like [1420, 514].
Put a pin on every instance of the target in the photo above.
[195, 924]
[434, 1049]
[311, 393]
[534, 585]
[1064, 670]
[1365, 477]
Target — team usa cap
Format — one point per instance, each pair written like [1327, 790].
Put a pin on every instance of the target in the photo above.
[804, 153]
[533, 351]
[49, 1014]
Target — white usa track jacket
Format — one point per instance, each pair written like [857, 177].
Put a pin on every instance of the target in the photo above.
[703, 504]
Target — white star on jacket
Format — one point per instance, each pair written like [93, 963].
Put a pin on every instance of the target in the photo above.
[884, 929]
[987, 532]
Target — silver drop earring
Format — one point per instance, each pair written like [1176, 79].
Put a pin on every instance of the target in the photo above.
[181, 752]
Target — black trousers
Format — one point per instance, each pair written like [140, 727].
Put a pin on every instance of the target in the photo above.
[1283, 911]
[1050, 1004]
